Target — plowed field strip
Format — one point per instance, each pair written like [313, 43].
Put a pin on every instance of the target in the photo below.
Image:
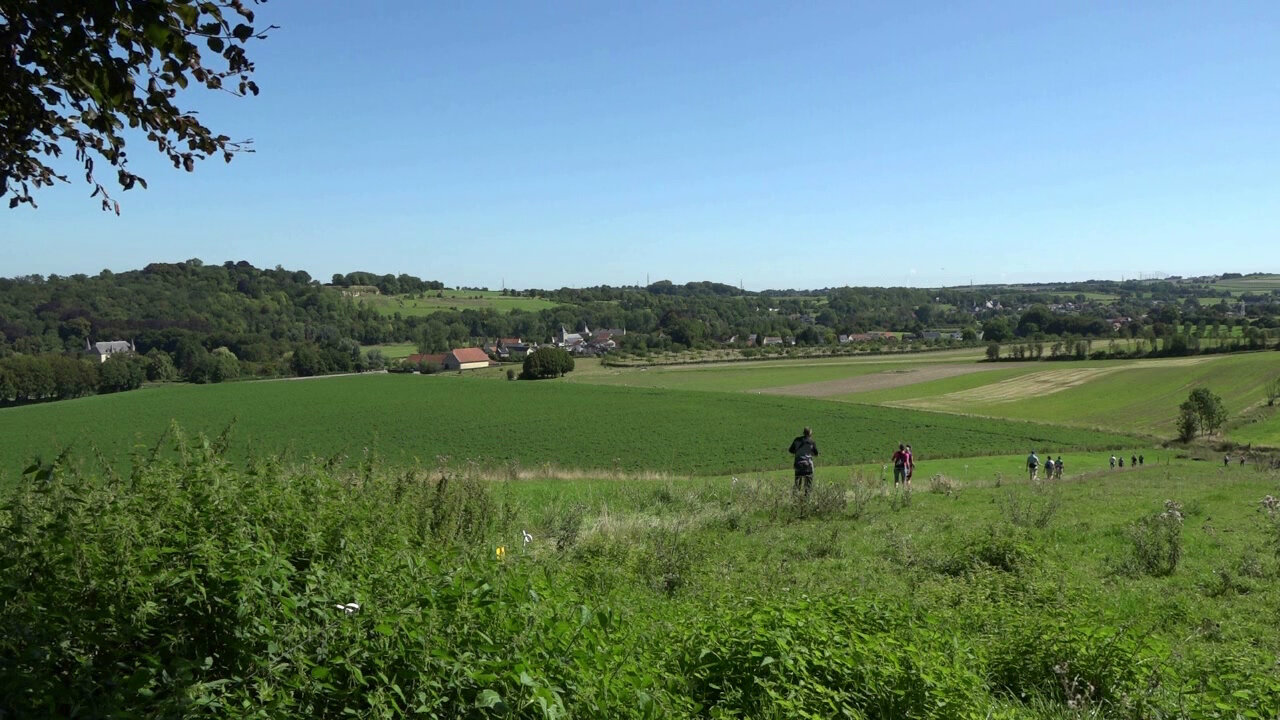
[878, 381]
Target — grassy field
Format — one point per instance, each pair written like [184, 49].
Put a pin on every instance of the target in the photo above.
[413, 418]
[626, 543]
[428, 302]
[1132, 396]
[1128, 396]
[394, 351]
[1257, 284]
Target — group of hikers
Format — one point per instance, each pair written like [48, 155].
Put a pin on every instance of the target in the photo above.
[1134, 461]
[1052, 468]
[805, 450]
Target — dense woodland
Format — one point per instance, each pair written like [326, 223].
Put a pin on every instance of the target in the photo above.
[209, 323]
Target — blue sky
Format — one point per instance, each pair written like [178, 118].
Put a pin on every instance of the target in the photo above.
[778, 145]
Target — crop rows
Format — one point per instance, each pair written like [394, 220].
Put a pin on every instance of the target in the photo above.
[417, 419]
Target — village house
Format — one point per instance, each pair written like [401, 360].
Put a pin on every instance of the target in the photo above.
[514, 347]
[108, 348]
[565, 339]
[466, 359]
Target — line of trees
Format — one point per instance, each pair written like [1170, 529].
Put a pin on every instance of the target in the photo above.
[28, 379]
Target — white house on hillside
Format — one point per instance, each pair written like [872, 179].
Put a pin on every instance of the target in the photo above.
[106, 349]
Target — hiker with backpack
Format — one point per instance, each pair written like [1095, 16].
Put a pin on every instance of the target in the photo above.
[911, 465]
[1033, 465]
[900, 459]
[805, 450]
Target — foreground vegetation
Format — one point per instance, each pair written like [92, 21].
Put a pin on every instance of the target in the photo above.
[191, 586]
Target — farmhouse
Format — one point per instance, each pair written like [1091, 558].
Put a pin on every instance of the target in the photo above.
[466, 359]
[419, 358]
[105, 350]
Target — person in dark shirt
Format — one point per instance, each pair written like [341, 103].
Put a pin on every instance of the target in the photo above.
[900, 461]
[805, 450]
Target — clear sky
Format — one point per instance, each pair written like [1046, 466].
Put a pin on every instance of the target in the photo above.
[549, 144]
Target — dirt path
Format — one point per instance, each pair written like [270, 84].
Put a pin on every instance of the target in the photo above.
[880, 381]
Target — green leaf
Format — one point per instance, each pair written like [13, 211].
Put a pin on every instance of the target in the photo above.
[320, 672]
[188, 13]
[158, 35]
[491, 699]
[384, 629]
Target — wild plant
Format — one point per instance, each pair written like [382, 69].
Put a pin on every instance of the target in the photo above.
[1157, 542]
[566, 524]
[1270, 508]
[1032, 507]
[942, 485]
[900, 498]
[670, 558]
[862, 488]
[824, 545]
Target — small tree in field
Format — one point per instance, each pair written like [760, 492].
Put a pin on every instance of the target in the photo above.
[1202, 411]
[1273, 391]
[993, 352]
[547, 362]
[1188, 423]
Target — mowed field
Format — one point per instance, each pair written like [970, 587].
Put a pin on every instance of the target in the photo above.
[1127, 396]
[1138, 396]
[777, 375]
[452, 300]
[413, 418]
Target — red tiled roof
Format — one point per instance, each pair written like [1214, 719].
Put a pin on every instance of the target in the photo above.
[510, 341]
[469, 355]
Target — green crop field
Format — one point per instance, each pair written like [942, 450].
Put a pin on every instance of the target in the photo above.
[428, 303]
[1255, 284]
[417, 418]
[601, 550]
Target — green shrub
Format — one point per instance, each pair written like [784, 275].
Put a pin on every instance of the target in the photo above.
[1000, 547]
[547, 362]
[1044, 652]
[805, 657]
